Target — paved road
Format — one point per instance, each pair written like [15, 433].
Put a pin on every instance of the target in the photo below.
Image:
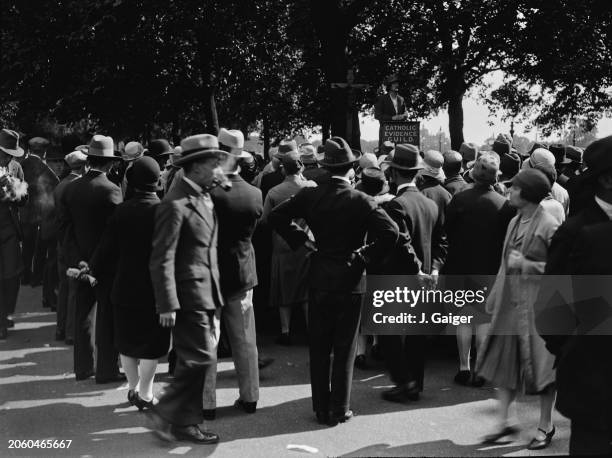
[39, 399]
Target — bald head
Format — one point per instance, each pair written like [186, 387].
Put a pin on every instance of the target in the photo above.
[452, 163]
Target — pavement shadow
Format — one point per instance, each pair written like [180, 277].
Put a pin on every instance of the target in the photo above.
[93, 430]
[442, 447]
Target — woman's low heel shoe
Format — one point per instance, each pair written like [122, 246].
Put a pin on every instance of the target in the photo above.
[495, 437]
[537, 444]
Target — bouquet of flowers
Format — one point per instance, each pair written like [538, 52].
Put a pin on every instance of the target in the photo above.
[12, 189]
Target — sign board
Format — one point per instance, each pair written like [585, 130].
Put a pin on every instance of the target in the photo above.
[401, 132]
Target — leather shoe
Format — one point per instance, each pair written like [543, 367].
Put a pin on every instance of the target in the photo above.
[335, 418]
[160, 427]
[360, 362]
[60, 335]
[478, 381]
[192, 433]
[396, 394]
[536, 444]
[131, 397]
[284, 339]
[248, 407]
[463, 378]
[84, 375]
[9, 323]
[112, 379]
[264, 362]
[209, 414]
[504, 432]
[142, 404]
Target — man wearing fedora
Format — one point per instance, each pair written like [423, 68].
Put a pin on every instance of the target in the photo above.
[238, 211]
[187, 287]
[11, 263]
[89, 202]
[420, 219]
[339, 218]
[580, 247]
[66, 311]
[312, 171]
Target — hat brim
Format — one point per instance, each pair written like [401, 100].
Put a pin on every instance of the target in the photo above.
[208, 154]
[394, 165]
[357, 155]
[13, 152]
[89, 153]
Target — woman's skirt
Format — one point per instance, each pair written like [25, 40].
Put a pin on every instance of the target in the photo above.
[138, 333]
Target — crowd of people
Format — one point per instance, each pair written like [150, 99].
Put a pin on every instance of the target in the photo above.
[161, 244]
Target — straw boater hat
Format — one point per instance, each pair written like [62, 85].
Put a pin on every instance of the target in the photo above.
[202, 146]
[232, 142]
[103, 147]
[9, 143]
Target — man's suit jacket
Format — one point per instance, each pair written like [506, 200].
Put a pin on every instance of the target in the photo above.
[430, 187]
[238, 211]
[420, 217]
[59, 208]
[339, 218]
[584, 365]
[269, 180]
[184, 267]
[384, 109]
[476, 222]
[455, 184]
[89, 201]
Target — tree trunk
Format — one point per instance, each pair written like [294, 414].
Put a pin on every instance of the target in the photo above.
[455, 119]
[206, 64]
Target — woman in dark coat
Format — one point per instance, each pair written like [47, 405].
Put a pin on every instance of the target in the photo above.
[125, 250]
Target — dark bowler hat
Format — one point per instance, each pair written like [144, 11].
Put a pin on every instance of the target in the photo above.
[337, 153]
[598, 157]
[406, 157]
[574, 153]
[558, 150]
[510, 164]
[144, 174]
[285, 147]
[158, 148]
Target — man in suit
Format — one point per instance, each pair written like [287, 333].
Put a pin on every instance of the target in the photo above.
[238, 211]
[420, 219]
[581, 246]
[339, 218]
[11, 263]
[77, 161]
[390, 106]
[187, 288]
[475, 224]
[89, 202]
[452, 169]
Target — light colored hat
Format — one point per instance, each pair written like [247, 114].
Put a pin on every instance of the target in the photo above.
[368, 160]
[200, 146]
[75, 159]
[284, 147]
[468, 151]
[9, 143]
[102, 146]
[486, 169]
[432, 165]
[133, 150]
[539, 156]
[232, 141]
